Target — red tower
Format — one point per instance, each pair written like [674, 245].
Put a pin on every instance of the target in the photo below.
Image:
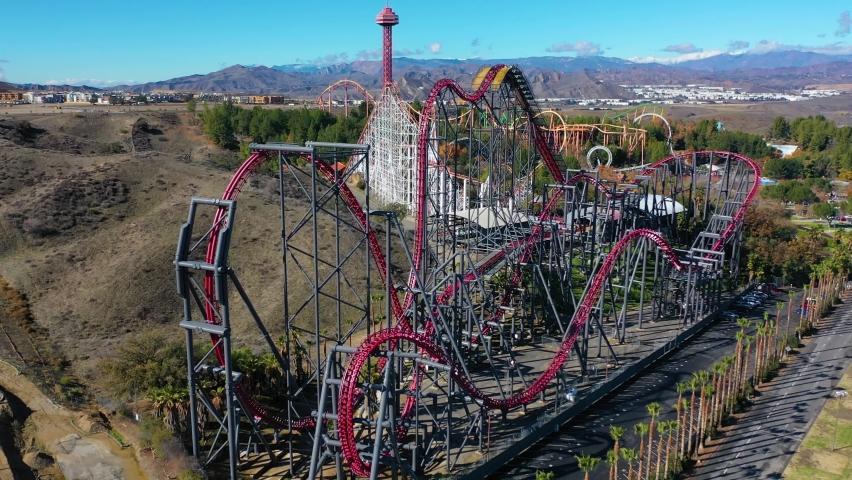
[387, 19]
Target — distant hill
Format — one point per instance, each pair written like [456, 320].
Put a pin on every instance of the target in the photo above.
[56, 88]
[769, 60]
[550, 76]
[8, 87]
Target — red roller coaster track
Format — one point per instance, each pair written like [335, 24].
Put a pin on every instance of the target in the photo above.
[350, 390]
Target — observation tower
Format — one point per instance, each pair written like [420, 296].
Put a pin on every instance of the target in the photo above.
[391, 131]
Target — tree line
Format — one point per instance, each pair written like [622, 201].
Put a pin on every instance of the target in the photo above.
[825, 148]
[228, 125]
[706, 400]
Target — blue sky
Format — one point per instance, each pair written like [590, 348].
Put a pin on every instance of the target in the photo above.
[107, 42]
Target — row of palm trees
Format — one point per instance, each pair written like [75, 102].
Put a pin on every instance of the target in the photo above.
[703, 404]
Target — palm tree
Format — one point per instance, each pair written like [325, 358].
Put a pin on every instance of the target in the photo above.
[654, 411]
[377, 299]
[717, 370]
[740, 336]
[778, 306]
[709, 392]
[748, 342]
[629, 455]
[791, 294]
[271, 369]
[681, 388]
[702, 376]
[641, 429]
[693, 387]
[743, 323]
[758, 351]
[616, 433]
[732, 394]
[611, 462]
[683, 427]
[158, 401]
[664, 428]
[672, 427]
[218, 398]
[587, 463]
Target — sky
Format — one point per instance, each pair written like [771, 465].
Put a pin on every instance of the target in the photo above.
[103, 43]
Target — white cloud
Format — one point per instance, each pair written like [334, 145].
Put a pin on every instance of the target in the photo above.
[844, 23]
[2, 75]
[678, 59]
[766, 46]
[435, 48]
[91, 82]
[683, 48]
[373, 54]
[737, 45]
[582, 47]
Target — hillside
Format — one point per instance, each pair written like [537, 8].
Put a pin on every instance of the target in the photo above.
[88, 230]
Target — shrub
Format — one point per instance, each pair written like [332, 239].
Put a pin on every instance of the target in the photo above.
[399, 209]
[190, 475]
[152, 434]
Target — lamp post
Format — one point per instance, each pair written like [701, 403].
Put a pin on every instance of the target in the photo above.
[840, 395]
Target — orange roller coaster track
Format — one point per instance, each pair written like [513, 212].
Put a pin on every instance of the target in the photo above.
[572, 138]
[325, 99]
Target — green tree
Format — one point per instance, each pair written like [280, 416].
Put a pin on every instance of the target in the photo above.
[218, 124]
[144, 362]
[784, 168]
[587, 463]
[93, 99]
[780, 129]
[191, 106]
[822, 210]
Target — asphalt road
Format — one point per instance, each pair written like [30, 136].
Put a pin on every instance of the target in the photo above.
[589, 432]
[765, 439]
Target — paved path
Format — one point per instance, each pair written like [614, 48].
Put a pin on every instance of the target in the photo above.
[589, 433]
[765, 439]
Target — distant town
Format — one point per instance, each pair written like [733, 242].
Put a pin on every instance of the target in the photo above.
[660, 94]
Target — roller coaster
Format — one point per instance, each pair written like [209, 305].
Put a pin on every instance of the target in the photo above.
[499, 297]
[326, 99]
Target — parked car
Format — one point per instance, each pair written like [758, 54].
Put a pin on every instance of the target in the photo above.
[744, 305]
[730, 315]
[753, 299]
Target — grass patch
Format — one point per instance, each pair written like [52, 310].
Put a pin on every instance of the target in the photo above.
[815, 460]
[118, 438]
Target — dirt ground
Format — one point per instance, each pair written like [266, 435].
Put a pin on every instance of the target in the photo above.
[49, 429]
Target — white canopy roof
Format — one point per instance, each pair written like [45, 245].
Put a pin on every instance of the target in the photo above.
[660, 205]
[492, 217]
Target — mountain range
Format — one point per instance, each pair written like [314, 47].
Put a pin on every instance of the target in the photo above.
[580, 77]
